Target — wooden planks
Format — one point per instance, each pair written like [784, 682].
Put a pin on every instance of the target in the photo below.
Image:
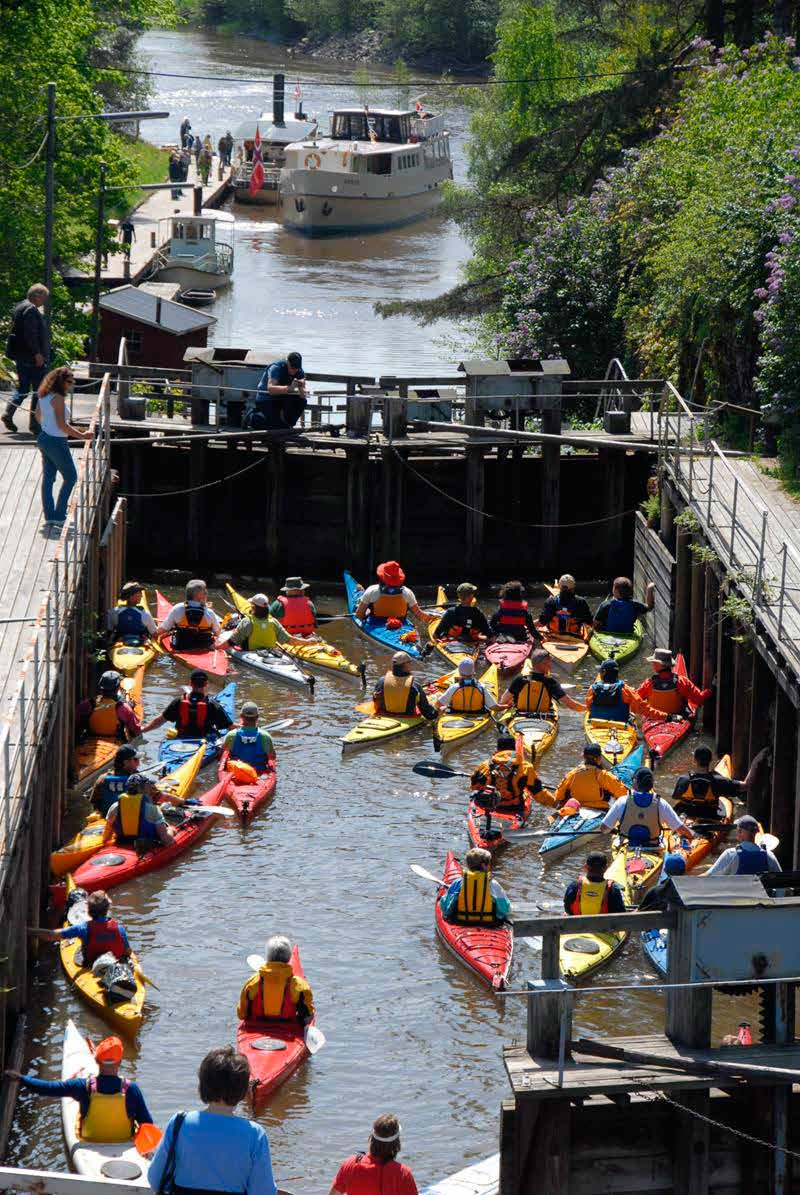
[653, 561]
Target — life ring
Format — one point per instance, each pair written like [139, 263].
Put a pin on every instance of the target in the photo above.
[313, 161]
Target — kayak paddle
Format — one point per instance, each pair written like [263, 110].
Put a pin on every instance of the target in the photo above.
[424, 874]
[314, 1038]
[440, 771]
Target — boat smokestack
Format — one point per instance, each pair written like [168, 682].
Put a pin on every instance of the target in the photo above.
[278, 93]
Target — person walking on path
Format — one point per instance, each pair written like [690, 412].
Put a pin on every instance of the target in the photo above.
[204, 164]
[53, 443]
[363, 1174]
[127, 235]
[186, 128]
[225, 147]
[28, 347]
[175, 172]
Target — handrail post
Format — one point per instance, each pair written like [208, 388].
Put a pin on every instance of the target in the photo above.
[710, 486]
[36, 687]
[691, 458]
[757, 594]
[7, 782]
[733, 517]
[782, 594]
[678, 449]
[21, 745]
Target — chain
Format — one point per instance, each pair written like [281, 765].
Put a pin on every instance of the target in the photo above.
[717, 1124]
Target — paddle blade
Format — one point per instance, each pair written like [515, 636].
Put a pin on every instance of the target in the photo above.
[148, 1137]
[255, 962]
[314, 1038]
[282, 724]
[424, 874]
[365, 707]
[768, 841]
[431, 767]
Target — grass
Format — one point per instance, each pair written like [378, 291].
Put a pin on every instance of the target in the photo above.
[148, 165]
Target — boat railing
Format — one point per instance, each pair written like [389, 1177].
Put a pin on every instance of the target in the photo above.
[224, 258]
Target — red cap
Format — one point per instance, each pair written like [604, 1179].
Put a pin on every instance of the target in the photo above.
[390, 573]
[109, 1050]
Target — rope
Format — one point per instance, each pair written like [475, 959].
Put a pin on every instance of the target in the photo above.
[30, 161]
[718, 1124]
[205, 486]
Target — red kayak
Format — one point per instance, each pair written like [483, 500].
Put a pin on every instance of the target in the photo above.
[500, 822]
[213, 660]
[484, 950]
[509, 657]
[116, 863]
[662, 736]
[273, 1048]
[247, 799]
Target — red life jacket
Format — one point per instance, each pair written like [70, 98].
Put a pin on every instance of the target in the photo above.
[512, 614]
[103, 936]
[298, 616]
[190, 711]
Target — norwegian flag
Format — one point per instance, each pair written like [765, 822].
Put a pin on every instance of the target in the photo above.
[298, 94]
[257, 177]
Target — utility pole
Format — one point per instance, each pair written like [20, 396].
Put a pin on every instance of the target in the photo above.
[49, 194]
[98, 258]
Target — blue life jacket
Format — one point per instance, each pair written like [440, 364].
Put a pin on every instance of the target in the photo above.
[751, 863]
[607, 702]
[113, 786]
[130, 623]
[248, 746]
[621, 617]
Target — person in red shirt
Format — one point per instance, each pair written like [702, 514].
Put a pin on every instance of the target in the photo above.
[666, 690]
[376, 1172]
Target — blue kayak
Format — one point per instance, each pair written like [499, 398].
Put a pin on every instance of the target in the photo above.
[376, 628]
[579, 828]
[654, 944]
[176, 751]
[627, 768]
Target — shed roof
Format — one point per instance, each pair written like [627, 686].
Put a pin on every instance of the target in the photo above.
[144, 304]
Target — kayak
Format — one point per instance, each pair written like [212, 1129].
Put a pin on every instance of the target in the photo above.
[454, 729]
[403, 637]
[605, 646]
[453, 650]
[509, 657]
[376, 728]
[124, 1015]
[275, 665]
[84, 844]
[129, 654]
[316, 653]
[212, 660]
[247, 799]
[661, 736]
[580, 955]
[654, 944]
[94, 1159]
[617, 739]
[174, 749]
[583, 827]
[627, 768]
[95, 751]
[491, 838]
[481, 1178]
[273, 1048]
[566, 650]
[697, 849]
[484, 949]
[635, 869]
[538, 730]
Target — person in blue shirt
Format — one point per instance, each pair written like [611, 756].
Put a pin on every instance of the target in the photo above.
[108, 788]
[617, 614]
[215, 1150]
[281, 395]
[99, 933]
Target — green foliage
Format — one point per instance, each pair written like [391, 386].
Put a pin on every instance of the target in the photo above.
[651, 507]
[687, 521]
[146, 163]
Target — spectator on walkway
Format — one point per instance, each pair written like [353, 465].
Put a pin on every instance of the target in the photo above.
[204, 164]
[376, 1171]
[225, 147]
[281, 395]
[186, 135]
[127, 235]
[197, 149]
[28, 346]
[53, 443]
[186, 159]
[214, 1150]
[175, 171]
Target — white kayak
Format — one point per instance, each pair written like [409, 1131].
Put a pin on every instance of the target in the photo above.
[120, 1160]
[276, 666]
[482, 1178]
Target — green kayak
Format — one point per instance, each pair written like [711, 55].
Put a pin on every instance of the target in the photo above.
[604, 645]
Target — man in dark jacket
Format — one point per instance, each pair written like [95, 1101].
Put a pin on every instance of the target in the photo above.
[29, 348]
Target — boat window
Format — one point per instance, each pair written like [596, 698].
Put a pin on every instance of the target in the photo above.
[192, 232]
[379, 164]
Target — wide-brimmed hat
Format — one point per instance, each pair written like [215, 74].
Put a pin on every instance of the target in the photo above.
[294, 583]
[662, 655]
[390, 573]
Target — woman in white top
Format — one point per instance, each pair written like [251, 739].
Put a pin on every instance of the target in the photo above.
[53, 443]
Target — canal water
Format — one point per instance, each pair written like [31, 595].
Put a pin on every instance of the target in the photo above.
[293, 292]
[409, 1029]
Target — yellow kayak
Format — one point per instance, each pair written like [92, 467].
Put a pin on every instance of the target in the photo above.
[617, 739]
[453, 729]
[453, 650]
[580, 955]
[127, 657]
[381, 728]
[635, 869]
[124, 1015]
[537, 730]
[316, 653]
[83, 845]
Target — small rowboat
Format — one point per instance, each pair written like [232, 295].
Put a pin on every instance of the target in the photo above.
[485, 950]
[659, 734]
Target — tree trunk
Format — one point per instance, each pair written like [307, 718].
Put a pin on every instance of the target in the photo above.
[714, 18]
[782, 17]
[743, 22]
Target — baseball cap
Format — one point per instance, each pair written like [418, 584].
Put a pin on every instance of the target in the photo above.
[250, 709]
[198, 676]
[259, 599]
[401, 657]
[608, 666]
[466, 587]
[466, 668]
[109, 1050]
[747, 822]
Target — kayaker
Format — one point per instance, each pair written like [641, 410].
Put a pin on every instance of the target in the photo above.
[592, 893]
[111, 713]
[642, 815]
[130, 623]
[111, 1108]
[465, 622]
[398, 693]
[534, 690]
[390, 598]
[512, 619]
[656, 899]
[377, 1170]
[192, 624]
[294, 610]
[666, 690]
[591, 784]
[259, 630]
[101, 934]
[466, 695]
[135, 817]
[194, 714]
[609, 699]
[564, 613]
[747, 858]
[247, 743]
[275, 992]
[213, 1150]
[474, 898]
[697, 793]
[108, 788]
[508, 778]
[617, 614]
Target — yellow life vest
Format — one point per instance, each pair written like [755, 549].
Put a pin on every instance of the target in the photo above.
[395, 693]
[475, 905]
[194, 618]
[468, 698]
[591, 898]
[390, 603]
[274, 980]
[103, 719]
[262, 633]
[130, 814]
[107, 1118]
[533, 697]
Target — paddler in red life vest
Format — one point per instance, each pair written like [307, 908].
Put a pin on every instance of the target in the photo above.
[108, 788]
[135, 819]
[130, 623]
[466, 695]
[474, 898]
[590, 784]
[275, 993]
[564, 613]
[534, 690]
[508, 778]
[192, 624]
[617, 614]
[398, 693]
[512, 619]
[248, 744]
[592, 893]
[293, 609]
[195, 714]
[390, 598]
[465, 622]
[667, 691]
[101, 934]
[642, 815]
[609, 699]
[110, 714]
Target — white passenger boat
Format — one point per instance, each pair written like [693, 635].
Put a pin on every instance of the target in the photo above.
[379, 168]
[196, 250]
[275, 136]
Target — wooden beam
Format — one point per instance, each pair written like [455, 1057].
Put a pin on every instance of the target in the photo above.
[710, 615]
[688, 1009]
[725, 685]
[783, 793]
[688, 1066]
[742, 706]
[763, 704]
[548, 1011]
[551, 490]
[528, 923]
[697, 621]
[613, 502]
[691, 1169]
[358, 522]
[274, 508]
[681, 619]
[474, 522]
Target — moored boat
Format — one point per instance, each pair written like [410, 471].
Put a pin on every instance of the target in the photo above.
[196, 250]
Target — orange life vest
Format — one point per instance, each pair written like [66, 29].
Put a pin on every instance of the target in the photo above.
[564, 623]
[104, 720]
[390, 603]
[298, 615]
[396, 693]
[664, 693]
[468, 698]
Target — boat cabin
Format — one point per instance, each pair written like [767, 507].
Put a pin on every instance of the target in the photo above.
[395, 126]
[191, 237]
[274, 135]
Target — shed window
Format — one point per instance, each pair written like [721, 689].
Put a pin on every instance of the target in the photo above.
[133, 340]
